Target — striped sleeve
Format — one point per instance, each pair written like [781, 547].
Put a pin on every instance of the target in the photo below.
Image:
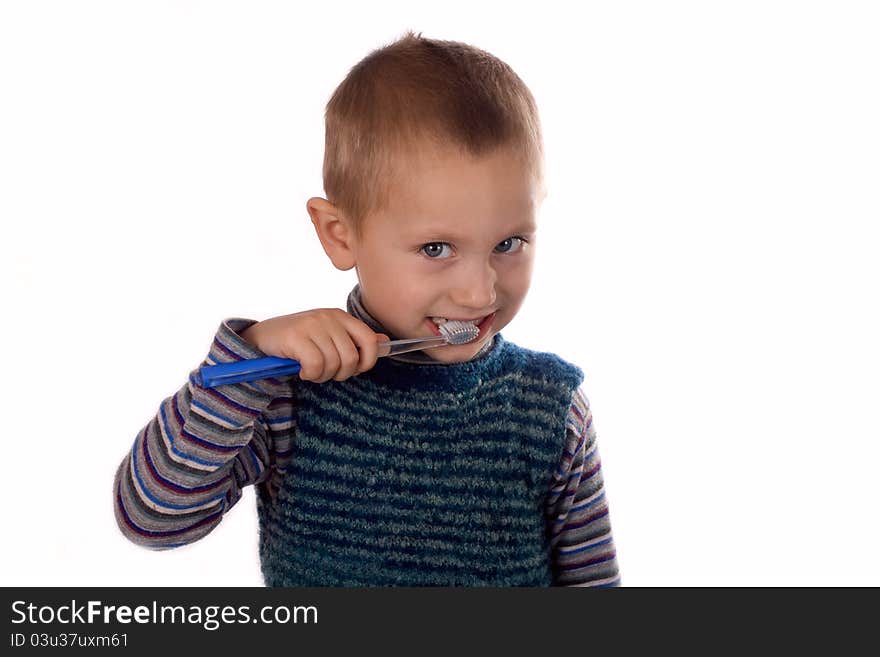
[583, 552]
[188, 465]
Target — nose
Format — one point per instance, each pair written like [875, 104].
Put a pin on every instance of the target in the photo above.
[474, 286]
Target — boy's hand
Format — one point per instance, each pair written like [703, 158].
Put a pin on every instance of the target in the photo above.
[328, 343]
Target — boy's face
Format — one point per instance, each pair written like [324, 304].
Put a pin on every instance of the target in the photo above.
[457, 241]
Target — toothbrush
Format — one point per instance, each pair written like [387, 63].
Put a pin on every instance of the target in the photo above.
[453, 332]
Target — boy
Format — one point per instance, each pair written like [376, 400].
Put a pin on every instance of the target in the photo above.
[469, 465]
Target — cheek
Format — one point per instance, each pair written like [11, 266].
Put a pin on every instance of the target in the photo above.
[378, 272]
[393, 288]
[518, 278]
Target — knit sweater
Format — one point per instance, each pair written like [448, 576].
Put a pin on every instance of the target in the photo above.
[188, 466]
[422, 475]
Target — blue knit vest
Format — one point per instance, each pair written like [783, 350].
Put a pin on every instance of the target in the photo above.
[422, 475]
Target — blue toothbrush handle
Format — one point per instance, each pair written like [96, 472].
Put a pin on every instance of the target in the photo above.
[247, 370]
[269, 366]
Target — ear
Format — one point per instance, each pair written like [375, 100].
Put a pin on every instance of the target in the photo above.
[335, 232]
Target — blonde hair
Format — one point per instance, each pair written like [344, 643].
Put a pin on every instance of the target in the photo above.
[416, 93]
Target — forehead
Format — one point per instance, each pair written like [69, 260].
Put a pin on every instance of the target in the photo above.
[449, 188]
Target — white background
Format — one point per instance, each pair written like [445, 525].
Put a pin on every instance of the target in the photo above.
[708, 256]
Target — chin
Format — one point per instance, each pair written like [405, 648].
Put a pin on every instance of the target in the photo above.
[457, 354]
[449, 358]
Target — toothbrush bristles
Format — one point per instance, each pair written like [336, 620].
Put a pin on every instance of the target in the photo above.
[457, 332]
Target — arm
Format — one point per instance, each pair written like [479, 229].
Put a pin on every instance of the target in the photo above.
[582, 546]
[188, 465]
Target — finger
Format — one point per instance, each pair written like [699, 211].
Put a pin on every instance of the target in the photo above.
[348, 354]
[324, 367]
[367, 344]
[311, 360]
[379, 338]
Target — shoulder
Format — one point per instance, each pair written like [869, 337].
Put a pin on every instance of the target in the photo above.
[543, 365]
[580, 418]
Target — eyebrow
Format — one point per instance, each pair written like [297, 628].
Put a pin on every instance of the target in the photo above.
[439, 233]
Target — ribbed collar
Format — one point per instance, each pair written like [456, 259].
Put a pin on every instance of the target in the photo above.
[356, 308]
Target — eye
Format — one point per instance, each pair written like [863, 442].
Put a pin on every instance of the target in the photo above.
[510, 245]
[437, 250]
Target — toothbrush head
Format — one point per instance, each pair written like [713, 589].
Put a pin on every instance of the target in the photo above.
[457, 332]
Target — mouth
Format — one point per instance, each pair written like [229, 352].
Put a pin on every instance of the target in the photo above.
[482, 323]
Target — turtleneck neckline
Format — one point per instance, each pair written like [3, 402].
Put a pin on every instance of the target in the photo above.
[356, 308]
